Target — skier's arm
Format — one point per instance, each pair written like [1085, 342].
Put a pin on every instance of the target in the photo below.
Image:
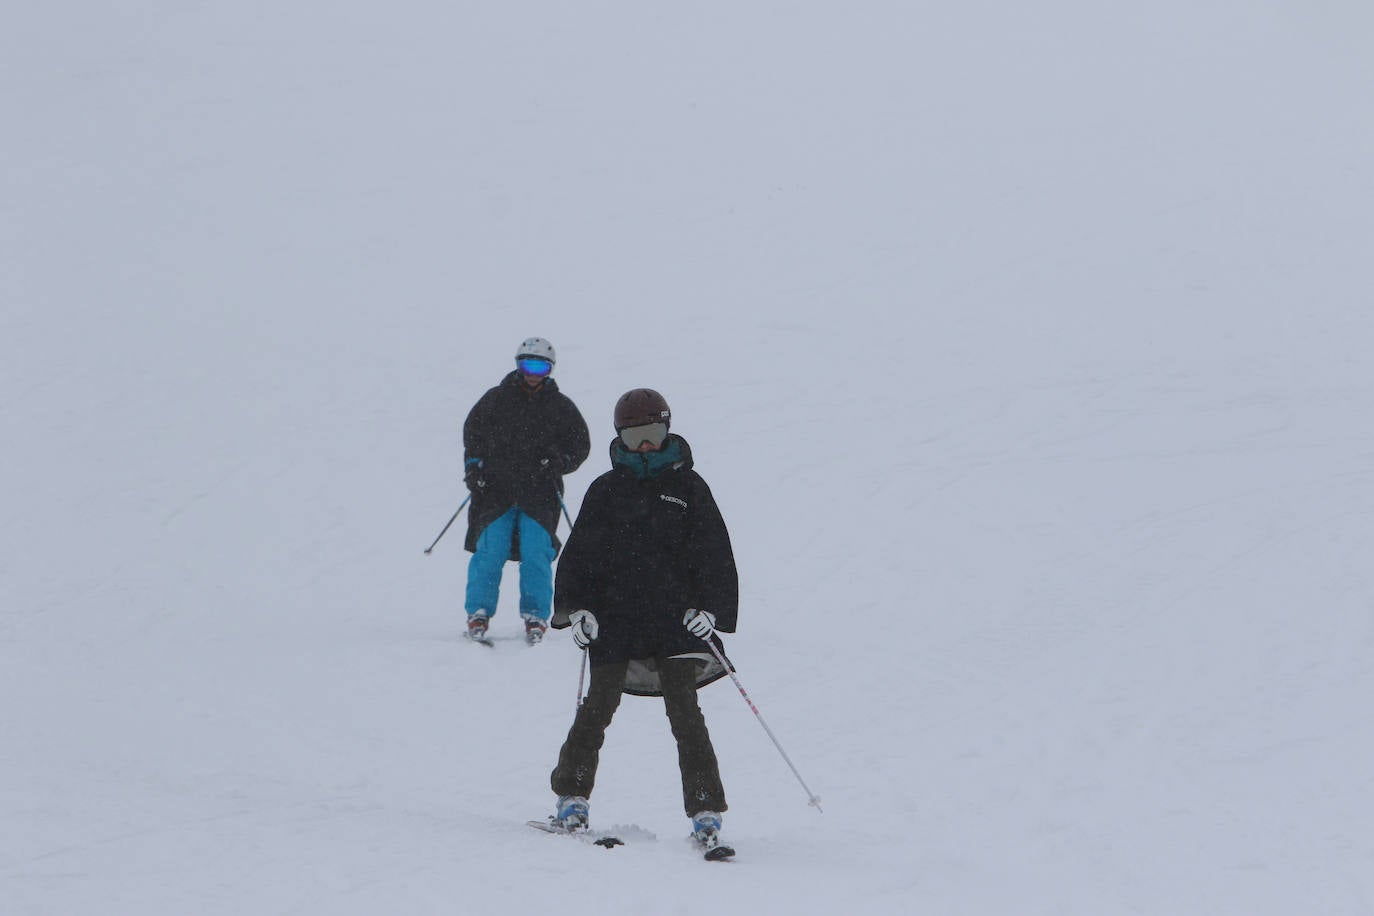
[576, 586]
[575, 442]
[711, 560]
[476, 432]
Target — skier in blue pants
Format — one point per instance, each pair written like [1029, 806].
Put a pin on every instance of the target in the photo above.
[536, 566]
[519, 440]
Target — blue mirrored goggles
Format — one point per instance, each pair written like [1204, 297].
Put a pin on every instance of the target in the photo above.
[532, 365]
[653, 433]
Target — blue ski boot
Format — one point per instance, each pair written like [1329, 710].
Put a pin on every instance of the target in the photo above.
[572, 813]
[706, 832]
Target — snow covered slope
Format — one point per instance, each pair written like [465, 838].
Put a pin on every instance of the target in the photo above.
[1025, 348]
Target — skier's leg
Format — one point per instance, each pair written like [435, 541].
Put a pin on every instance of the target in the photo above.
[536, 570]
[575, 773]
[484, 569]
[696, 757]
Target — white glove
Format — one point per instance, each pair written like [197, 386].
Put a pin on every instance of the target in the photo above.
[699, 623]
[584, 628]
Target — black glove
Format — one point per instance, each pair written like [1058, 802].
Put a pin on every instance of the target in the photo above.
[474, 477]
[554, 464]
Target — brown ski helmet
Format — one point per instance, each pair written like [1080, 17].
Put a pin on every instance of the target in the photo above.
[641, 406]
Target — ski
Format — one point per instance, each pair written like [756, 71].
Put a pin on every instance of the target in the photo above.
[594, 837]
[713, 850]
[719, 853]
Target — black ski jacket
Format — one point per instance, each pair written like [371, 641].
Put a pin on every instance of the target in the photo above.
[510, 430]
[648, 543]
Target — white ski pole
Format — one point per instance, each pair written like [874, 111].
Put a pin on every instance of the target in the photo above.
[814, 799]
[582, 679]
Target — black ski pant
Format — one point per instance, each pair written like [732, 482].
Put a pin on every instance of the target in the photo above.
[575, 773]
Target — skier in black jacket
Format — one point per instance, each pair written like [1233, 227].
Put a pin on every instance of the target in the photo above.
[647, 575]
[519, 440]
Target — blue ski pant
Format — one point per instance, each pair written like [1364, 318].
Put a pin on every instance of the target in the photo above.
[536, 566]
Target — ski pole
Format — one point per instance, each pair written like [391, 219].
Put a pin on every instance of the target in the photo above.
[814, 799]
[582, 679]
[450, 522]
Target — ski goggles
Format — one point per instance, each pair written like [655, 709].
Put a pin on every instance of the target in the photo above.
[531, 365]
[653, 433]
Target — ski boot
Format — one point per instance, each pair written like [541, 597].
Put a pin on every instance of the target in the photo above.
[477, 627]
[572, 813]
[534, 630]
[706, 832]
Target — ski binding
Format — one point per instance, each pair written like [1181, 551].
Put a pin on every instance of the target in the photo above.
[595, 838]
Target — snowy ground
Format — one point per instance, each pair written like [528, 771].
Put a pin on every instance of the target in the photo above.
[1026, 349]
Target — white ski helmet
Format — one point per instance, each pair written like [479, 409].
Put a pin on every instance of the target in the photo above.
[536, 347]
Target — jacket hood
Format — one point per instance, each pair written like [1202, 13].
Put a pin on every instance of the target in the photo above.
[514, 380]
[676, 455]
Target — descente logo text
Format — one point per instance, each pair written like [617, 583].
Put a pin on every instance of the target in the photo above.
[674, 499]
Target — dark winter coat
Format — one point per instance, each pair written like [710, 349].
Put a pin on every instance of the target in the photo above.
[510, 430]
[648, 543]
